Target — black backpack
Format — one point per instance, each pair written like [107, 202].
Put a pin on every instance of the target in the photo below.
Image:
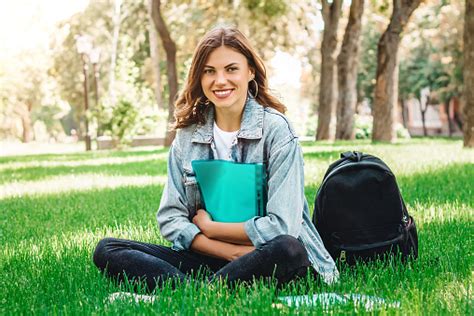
[360, 213]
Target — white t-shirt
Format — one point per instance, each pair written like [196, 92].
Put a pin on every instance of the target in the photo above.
[224, 141]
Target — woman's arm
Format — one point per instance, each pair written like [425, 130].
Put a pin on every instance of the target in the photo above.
[286, 200]
[228, 232]
[173, 214]
[219, 249]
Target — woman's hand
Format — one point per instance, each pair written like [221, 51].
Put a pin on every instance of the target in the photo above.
[219, 249]
[239, 251]
[202, 220]
[229, 232]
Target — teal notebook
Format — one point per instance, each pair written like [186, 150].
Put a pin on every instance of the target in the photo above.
[232, 192]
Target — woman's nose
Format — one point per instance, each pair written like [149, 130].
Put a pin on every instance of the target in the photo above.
[221, 78]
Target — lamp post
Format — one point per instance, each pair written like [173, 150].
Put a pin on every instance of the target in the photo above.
[94, 57]
[84, 47]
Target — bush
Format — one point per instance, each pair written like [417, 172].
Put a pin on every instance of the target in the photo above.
[364, 124]
[120, 121]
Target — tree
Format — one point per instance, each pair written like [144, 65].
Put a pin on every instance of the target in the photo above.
[347, 63]
[373, 26]
[154, 54]
[421, 75]
[469, 74]
[27, 89]
[170, 49]
[328, 87]
[386, 86]
[116, 21]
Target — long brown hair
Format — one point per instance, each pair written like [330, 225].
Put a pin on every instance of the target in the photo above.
[192, 105]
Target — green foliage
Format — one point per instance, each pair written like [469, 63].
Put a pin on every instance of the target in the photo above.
[363, 128]
[29, 91]
[127, 119]
[431, 56]
[134, 111]
[48, 236]
[133, 67]
[311, 126]
[270, 8]
[366, 72]
[67, 67]
[46, 82]
[122, 121]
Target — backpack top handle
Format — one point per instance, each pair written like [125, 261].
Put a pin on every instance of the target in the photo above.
[352, 155]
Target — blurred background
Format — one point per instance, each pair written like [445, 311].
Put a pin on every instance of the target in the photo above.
[103, 73]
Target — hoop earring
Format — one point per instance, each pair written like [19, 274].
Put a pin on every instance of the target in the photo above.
[256, 89]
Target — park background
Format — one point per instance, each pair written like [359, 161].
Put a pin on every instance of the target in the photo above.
[84, 83]
[110, 70]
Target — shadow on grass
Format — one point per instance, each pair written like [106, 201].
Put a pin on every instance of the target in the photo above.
[323, 155]
[414, 141]
[150, 167]
[454, 183]
[64, 278]
[82, 155]
[29, 218]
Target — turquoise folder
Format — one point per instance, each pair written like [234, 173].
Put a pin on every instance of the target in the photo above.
[232, 192]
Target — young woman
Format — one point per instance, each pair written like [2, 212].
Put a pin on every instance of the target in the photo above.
[226, 112]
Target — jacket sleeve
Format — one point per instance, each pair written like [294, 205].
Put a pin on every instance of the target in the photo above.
[173, 213]
[285, 195]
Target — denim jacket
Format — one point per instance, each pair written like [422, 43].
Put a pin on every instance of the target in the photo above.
[267, 137]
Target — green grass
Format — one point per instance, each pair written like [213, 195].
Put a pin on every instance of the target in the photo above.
[55, 208]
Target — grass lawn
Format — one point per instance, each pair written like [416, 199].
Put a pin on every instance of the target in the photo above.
[55, 208]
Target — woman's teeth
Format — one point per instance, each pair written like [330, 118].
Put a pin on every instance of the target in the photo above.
[223, 93]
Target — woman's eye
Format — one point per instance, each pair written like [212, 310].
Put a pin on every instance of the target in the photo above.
[208, 71]
[232, 69]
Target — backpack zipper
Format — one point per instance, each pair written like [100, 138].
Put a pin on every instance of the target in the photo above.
[371, 246]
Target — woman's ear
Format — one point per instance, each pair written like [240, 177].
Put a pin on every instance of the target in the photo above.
[251, 74]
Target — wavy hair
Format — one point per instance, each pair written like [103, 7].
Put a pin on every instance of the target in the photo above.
[192, 105]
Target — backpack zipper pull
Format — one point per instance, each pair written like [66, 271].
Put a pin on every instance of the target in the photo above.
[342, 256]
[405, 219]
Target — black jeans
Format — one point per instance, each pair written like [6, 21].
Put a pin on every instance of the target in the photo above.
[284, 258]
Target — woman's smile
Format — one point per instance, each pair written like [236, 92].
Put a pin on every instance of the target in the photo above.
[222, 94]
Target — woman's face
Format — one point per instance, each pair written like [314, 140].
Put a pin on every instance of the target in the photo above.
[225, 79]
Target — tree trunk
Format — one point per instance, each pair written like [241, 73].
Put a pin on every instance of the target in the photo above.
[404, 112]
[347, 72]
[170, 49]
[24, 111]
[154, 54]
[328, 92]
[386, 86]
[447, 107]
[113, 55]
[468, 130]
[423, 117]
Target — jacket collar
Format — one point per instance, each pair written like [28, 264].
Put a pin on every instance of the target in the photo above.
[250, 127]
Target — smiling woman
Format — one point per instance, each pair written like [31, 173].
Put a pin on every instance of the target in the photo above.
[226, 112]
[240, 67]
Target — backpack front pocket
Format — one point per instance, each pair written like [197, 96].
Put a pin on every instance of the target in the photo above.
[367, 244]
